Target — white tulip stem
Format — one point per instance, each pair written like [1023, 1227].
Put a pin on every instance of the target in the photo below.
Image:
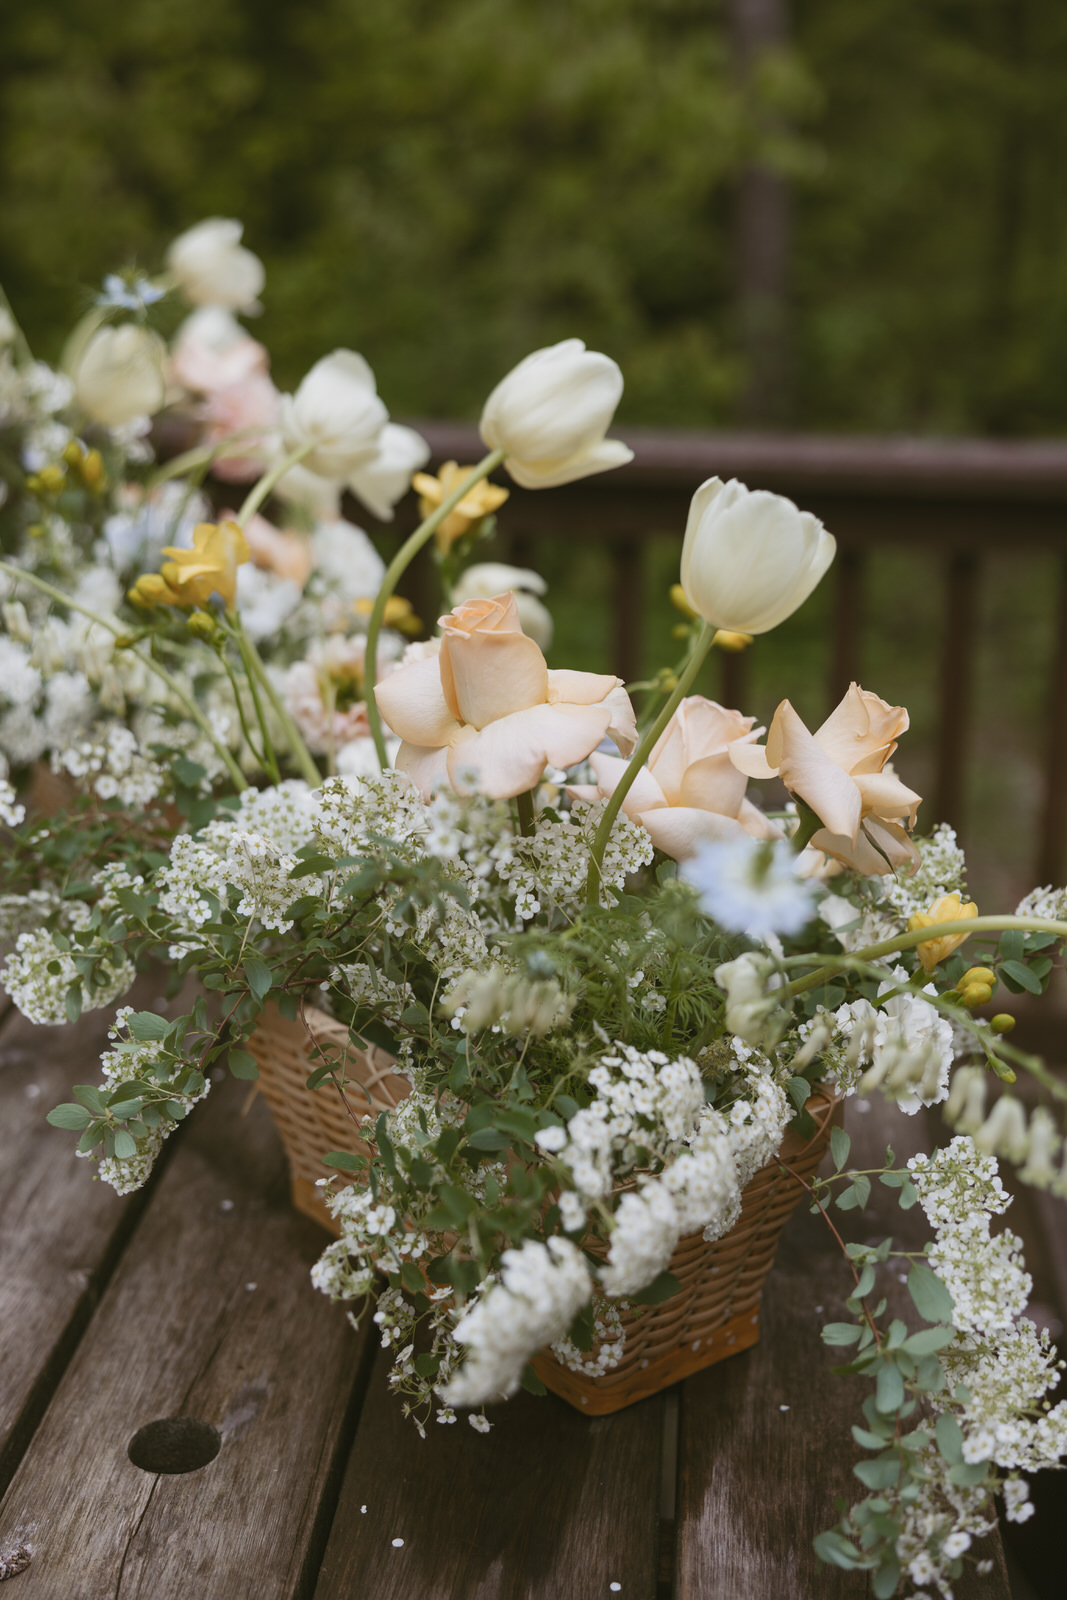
[645, 745]
[148, 661]
[907, 941]
[394, 572]
[259, 491]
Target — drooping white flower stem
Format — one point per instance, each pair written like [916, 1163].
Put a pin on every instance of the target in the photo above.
[907, 941]
[645, 745]
[393, 574]
[147, 661]
[259, 491]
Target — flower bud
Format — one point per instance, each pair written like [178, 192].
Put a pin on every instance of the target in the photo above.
[975, 995]
[978, 975]
[212, 268]
[119, 374]
[1004, 1131]
[1003, 1022]
[550, 415]
[750, 558]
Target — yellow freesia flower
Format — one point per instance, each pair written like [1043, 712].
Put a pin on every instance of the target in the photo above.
[399, 614]
[950, 908]
[480, 502]
[210, 567]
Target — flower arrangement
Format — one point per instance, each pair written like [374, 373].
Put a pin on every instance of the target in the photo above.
[608, 980]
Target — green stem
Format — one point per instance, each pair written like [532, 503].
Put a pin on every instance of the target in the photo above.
[646, 744]
[270, 760]
[148, 661]
[525, 807]
[907, 941]
[254, 665]
[259, 491]
[394, 572]
[239, 703]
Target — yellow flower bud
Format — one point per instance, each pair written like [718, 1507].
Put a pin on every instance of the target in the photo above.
[1003, 1022]
[202, 625]
[975, 995]
[73, 453]
[680, 603]
[398, 614]
[51, 480]
[92, 472]
[725, 639]
[949, 908]
[151, 589]
[978, 975]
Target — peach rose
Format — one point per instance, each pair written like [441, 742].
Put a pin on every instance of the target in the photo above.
[486, 714]
[690, 791]
[839, 771]
[244, 414]
[212, 351]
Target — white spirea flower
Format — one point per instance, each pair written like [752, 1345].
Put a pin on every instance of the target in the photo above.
[213, 268]
[551, 413]
[119, 374]
[11, 812]
[538, 1293]
[41, 994]
[750, 558]
[906, 1041]
[337, 411]
[751, 886]
[646, 1228]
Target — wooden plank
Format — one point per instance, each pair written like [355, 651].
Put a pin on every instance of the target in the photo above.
[766, 1442]
[209, 1315]
[60, 1232]
[550, 1505]
[1052, 852]
[960, 634]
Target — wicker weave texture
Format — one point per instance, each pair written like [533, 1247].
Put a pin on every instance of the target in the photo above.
[313, 1122]
[714, 1314]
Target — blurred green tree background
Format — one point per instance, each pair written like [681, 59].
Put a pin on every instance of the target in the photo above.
[446, 186]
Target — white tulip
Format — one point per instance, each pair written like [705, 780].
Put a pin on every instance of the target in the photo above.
[387, 477]
[120, 374]
[550, 415]
[750, 558]
[212, 267]
[490, 578]
[336, 410]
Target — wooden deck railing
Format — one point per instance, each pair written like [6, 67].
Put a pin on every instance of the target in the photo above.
[953, 502]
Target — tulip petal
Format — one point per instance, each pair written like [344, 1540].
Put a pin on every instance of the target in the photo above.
[412, 702]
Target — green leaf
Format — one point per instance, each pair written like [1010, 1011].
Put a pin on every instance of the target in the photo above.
[968, 1473]
[949, 1437]
[242, 1064]
[342, 1159]
[838, 1551]
[145, 1026]
[529, 1380]
[932, 1300]
[890, 1391]
[870, 1441]
[72, 1002]
[840, 1145]
[125, 1144]
[1017, 976]
[885, 1580]
[89, 1096]
[122, 1109]
[412, 1278]
[258, 975]
[69, 1116]
[654, 1293]
[882, 1473]
[90, 1138]
[929, 1340]
[799, 1090]
[841, 1333]
[426, 1365]
[489, 1139]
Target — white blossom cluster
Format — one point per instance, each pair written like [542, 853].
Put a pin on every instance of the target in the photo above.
[11, 812]
[38, 974]
[608, 1344]
[113, 765]
[942, 870]
[532, 1302]
[905, 1042]
[1045, 902]
[132, 1058]
[999, 1367]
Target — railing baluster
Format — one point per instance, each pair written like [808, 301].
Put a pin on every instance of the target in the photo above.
[848, 621]
[959, 632]
[627, 562]
[1052, 854]
[734, 679]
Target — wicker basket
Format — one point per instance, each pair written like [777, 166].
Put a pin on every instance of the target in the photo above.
[715, 1314]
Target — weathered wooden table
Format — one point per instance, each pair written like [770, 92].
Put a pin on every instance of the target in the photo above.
[193, 1300]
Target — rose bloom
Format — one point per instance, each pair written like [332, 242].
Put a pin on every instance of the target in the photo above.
[486, 714]
[690, 792]
[212, 351]
[325, 694]
[840, 772]
[244, 414]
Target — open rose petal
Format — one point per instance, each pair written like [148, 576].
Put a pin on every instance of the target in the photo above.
[510, 755]
[645, 792]
[412, 703]
[579, 688]
[713, 784]
[678, 830]
[486, 676]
